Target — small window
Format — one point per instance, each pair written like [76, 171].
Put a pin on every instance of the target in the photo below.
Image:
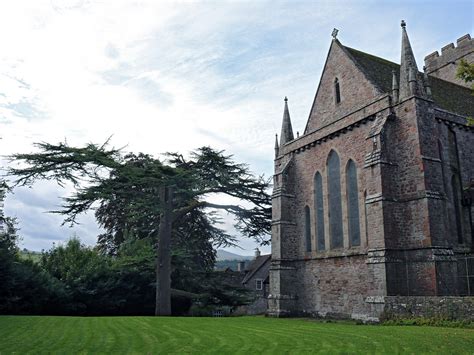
[259, 284]
[337, 90]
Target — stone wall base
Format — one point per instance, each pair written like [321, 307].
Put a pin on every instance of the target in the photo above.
[259, 306]
[454, 308]
[396, 307]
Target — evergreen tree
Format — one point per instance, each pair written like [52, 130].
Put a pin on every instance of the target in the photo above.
[141, 196]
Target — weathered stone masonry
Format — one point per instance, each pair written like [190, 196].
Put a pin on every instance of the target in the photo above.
[406, 134]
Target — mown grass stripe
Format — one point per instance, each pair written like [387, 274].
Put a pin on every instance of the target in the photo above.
[146, 335]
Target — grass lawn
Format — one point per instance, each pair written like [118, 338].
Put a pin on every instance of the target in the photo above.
[245, 335]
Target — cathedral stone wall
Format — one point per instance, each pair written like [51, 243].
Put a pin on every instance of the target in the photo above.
[324, 295]
[453, 136]
[414, 163]
[313, 160]
[439, 307]
[353, 86]
[404, 185]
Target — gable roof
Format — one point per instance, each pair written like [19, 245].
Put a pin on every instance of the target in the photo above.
[255, 265]
[336, 43]
[446, 95]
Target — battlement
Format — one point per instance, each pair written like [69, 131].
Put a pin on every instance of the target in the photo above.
[450, 54]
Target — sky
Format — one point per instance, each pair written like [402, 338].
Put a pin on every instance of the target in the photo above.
[160, 76]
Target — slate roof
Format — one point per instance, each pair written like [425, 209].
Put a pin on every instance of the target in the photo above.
[446, 95]
[452, 97]
[255, 265]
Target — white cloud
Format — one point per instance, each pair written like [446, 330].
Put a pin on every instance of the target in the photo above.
[171, 76]
[38, 228]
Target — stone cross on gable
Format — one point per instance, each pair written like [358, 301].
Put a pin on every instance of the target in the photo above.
[334, 33]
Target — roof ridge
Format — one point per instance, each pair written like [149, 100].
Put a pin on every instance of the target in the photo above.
[371, 55]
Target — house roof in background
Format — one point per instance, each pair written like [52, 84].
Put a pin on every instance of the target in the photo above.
[255, 265]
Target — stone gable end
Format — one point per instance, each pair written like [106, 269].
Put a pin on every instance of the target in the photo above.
[355, 88]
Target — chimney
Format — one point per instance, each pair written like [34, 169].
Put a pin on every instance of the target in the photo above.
[257, 253]
[241, 266]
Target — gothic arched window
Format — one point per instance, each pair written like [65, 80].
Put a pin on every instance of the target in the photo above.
[441, 159]
[337, 90]
[453, 150]
[307, 228]
[457, 207]
[319, 210]
[334, 199]
[352, 203]
[366, 221]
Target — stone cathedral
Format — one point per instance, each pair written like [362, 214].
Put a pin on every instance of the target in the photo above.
[372, 205]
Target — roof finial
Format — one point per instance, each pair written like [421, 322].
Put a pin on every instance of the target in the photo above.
[277, 148]
[403, 24]
[334, 33]
[409, 84]
[394, 86]
[394, 80]
[426, 84]
[286, 128]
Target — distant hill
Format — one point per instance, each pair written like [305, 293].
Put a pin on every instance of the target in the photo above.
[226, 255]
[34, 256]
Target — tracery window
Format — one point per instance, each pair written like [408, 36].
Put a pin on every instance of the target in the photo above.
[366, 222]
[455, 181]
[319, 211]
[352, 203]
[441, 158]
[307, 228]
[457, 207]
[334, 199]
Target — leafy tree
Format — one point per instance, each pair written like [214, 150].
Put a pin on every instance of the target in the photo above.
[99, 284]
[25, 287]
[138, 195]
[85, 273]
[465, 72]
[8, 257]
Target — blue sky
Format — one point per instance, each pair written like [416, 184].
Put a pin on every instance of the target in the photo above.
[173, 76]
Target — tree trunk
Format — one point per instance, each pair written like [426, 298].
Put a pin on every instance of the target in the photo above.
[163, 256]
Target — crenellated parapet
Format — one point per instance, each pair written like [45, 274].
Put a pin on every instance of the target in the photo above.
[449, 53]
[444, 66]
